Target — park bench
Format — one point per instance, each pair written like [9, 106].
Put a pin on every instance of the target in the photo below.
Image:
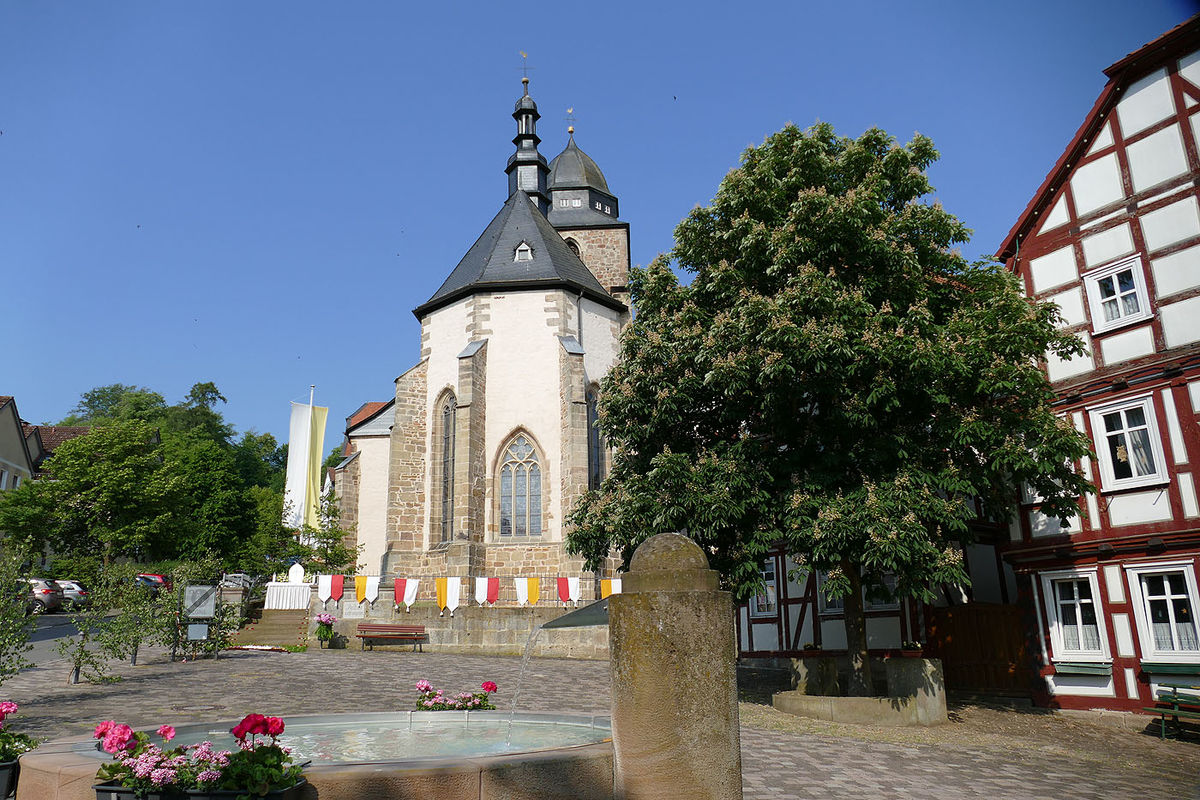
[368, 632]
[1176, 700]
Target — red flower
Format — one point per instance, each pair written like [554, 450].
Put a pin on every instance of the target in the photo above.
[489, 686]
[274, 726]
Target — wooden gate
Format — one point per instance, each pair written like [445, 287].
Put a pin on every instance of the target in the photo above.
[982, 647]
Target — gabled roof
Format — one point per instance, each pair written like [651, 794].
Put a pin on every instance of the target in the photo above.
[490, 265]
[366, 411]
[1174, 43]
[54, 435]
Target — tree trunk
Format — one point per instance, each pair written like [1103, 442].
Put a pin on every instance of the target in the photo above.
[859, 683]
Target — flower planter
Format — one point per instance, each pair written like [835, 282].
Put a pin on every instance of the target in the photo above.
[111, 791]
[291, 793]
[8, 777]
[911, 653]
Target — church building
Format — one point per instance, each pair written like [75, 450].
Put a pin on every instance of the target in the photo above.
[489, 441]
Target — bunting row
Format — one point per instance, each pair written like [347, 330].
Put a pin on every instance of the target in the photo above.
[449, 591]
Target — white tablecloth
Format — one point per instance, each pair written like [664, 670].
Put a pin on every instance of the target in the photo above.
[287, 595]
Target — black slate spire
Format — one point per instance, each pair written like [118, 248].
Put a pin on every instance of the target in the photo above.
[527, 169]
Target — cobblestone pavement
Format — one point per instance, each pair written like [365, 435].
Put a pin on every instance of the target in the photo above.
[774, 764]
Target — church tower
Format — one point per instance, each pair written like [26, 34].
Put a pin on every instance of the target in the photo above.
[492, 438]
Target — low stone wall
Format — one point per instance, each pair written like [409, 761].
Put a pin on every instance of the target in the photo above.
[493, 630]
[916, 695]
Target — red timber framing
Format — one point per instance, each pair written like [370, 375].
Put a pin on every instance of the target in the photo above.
[1113, 238]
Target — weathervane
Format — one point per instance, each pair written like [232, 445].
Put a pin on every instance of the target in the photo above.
[525, 66]
[570, 117]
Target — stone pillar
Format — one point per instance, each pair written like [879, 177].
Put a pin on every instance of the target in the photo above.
[674, 682]
[469, 456]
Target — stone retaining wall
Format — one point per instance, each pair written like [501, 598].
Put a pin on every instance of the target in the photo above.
[502, 630]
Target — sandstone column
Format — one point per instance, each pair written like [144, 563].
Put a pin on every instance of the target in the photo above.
[674, 682]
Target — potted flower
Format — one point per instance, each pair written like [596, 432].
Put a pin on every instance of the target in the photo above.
[140, 769]
[12, 746]
[258, 768]
[911, 649]
[431, 699]
[325, 629]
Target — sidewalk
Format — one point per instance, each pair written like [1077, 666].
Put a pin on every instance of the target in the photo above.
[985, 753]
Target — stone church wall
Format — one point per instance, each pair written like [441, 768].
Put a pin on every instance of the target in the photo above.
[605, 251]
[406, 469]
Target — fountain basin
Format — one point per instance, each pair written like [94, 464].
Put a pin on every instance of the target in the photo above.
[450, 755]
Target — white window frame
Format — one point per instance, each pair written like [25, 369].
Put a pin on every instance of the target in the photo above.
[823, 606]
[1092, 280]
[1141, 611]
[1108, 481]
[3, 479]
[765, 604]
[1058, 648]
[523, 252]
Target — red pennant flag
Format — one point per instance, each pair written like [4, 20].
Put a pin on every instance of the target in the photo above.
[493, 590]
[564, 590]
[400, 583]
[335, 587]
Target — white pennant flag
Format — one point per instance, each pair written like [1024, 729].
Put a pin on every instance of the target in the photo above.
[573, 589]
[453, 590]
[410, 592]
[324, 588]
[372, 593]
[481, 591]
[522, 585]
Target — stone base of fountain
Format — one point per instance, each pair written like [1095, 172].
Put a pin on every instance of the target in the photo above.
[66, 770]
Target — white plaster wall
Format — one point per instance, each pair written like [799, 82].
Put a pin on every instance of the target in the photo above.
[1130, 344]
[1107, 245]
[1059, 369]
[1082, 685]
[833, 634]
[882, 632]
[1157, 158]
[1187, 493]
[522, 391]
[373, 459]
[1171, 224]
[1138, 507]
[1097, 184]
[1070, 305]
[1112, 582]
[766, 635]
[1177, 272]
[1103, 139]
[1124, 635]
[1053, 269]
[1194, 395]
[599, 344]
[806, 629]
[1181, 321]
[1057, 217]
[1145, 102]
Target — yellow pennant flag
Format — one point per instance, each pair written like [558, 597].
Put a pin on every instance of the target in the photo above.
[533, 591]
[441, 592]
[605, 588]
[360, 588]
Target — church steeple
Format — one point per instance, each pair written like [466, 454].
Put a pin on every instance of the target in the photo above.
[527, 169]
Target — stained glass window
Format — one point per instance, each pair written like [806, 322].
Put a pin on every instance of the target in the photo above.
[520, 490]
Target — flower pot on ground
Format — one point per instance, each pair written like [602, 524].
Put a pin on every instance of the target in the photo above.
[111, 790]
[430, 699]
[292, 792]
[325, 632]
[8, 777]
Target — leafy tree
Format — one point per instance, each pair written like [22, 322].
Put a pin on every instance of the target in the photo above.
[261, 461]
[14, 622]
[271, 547]
[117, 401]
[328, 547]
[836, 380]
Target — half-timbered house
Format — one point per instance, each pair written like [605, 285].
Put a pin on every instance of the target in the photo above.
[1112, 237]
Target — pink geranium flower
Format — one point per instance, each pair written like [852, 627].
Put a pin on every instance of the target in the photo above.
[489, 686]
[166, 732]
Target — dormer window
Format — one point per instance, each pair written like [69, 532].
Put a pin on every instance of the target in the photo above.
[523, 252]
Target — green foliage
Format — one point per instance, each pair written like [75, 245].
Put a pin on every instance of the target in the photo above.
[836, 379]
[150, 481]
[324, 548]
[84, 567]
[14, 623]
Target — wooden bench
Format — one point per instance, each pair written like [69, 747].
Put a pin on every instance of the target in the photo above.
[1176, 700]
[370, 631]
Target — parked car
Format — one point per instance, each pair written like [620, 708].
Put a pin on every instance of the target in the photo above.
[149, 584]
[47, 595]
[74, 594]
[162, 580]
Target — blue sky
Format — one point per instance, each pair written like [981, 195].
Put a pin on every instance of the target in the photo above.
[257, 194]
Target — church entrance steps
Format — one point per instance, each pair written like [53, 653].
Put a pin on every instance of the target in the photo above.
[277, 628]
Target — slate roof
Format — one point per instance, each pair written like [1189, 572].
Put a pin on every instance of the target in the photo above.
[575, 169]
[490, 266]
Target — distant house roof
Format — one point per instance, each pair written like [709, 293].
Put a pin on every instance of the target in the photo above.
[492, 263]
[365, 413]
[1174, 43]
[54, 435]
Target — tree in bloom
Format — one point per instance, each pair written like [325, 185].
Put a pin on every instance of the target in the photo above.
[835, 381]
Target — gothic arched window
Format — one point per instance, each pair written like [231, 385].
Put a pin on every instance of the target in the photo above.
[444, 414]
[595, 450]
[520, 489]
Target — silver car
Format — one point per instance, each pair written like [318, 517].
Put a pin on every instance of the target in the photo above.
[74, 594]
[47, 595]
